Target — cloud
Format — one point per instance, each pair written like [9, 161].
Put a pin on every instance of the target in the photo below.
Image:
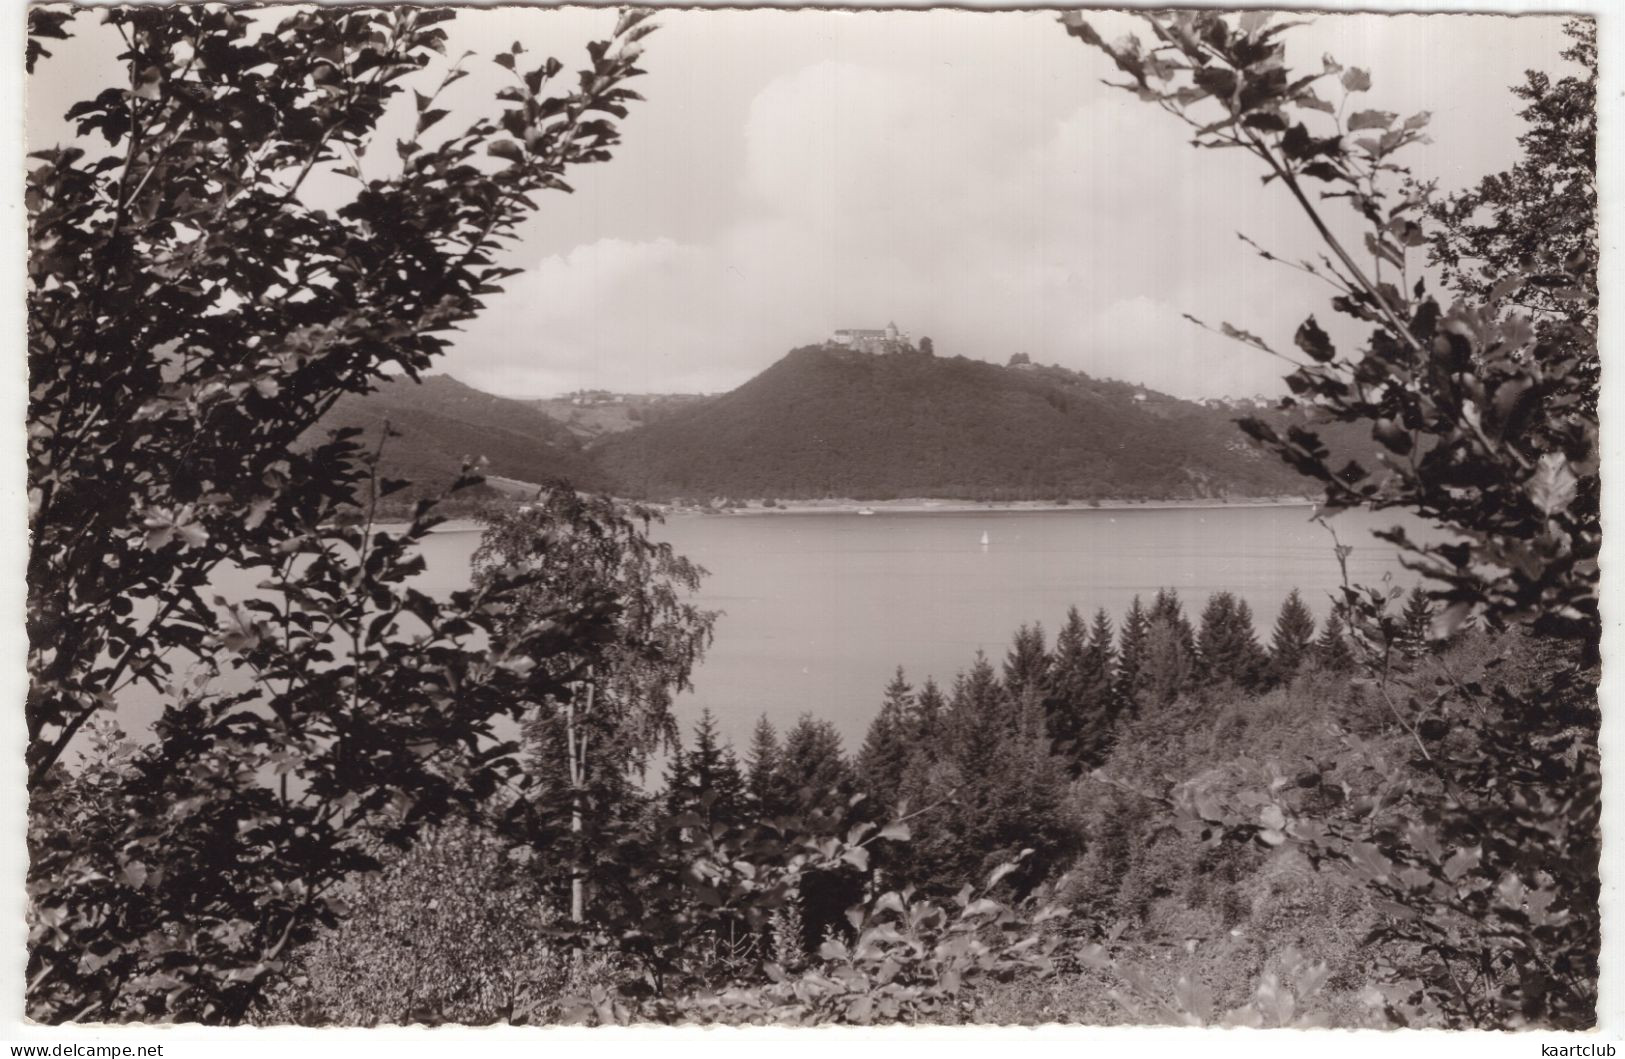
[1150, 342]
[996, 205]
[609, 313]
[876, 195]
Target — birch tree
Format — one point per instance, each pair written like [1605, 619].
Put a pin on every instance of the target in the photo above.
[587, 554]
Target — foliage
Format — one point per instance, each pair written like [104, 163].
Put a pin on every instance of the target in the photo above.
[1542, 211]
[190, 316]
[1481, 854]
[1481, 849]
[454, 930]
[912, 960]
[1280, 1000]
[169, 878]
[1487, 423]
[608, 702]
[906, 959]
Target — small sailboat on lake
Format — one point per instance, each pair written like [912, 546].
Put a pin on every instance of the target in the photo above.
[985, 540]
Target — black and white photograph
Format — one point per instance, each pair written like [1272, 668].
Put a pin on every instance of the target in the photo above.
[591, 516]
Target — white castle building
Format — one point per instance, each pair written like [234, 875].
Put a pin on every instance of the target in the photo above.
[871, 340]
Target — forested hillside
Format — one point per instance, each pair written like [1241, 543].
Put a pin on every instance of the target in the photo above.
[823, 422]
[826, 422]
[440, 423]
[1098, 777]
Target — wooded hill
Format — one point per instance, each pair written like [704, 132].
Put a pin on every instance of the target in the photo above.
[825, 422]
[441, 422]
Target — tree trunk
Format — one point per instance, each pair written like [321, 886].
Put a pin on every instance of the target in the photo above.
[577, 743]
[578, 888]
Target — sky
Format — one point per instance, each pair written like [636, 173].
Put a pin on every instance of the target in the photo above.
[964, 174]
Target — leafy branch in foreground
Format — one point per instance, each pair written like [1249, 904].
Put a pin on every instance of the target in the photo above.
[1484, 424]
[1481, 852]
[191, 314]
[901, 958]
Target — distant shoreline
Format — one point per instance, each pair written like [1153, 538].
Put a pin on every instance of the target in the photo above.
[928, 506]
[924, 506]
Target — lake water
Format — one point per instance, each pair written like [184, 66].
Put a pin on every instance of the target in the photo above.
[820, 608]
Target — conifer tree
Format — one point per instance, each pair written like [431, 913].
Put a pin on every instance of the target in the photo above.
[1293, 639]
[1083, 701]
[705, 780]
[979, 714]
[927, 720]
[730, 785]
[815, 772]
[885, 752]
[1227, 648]
[1415, 622]
[765, 795]
[812, 769]
[1166, 607]
[1168, 666]
[1212, 641]
[676, 798]
[1131, 657]
[1016, 804]
[1028, 662]
[1000, 791]
[1332, 650]
[1254, 659]
[1100, 669]
[927, 782]
[1067, 701]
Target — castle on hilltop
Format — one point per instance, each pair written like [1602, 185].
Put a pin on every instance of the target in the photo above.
[872, 340]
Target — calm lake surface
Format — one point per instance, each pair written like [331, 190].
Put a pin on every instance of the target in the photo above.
[820, 608]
